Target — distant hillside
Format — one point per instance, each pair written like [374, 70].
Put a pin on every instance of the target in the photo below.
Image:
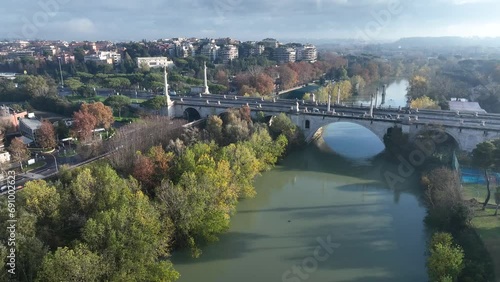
[449, 41]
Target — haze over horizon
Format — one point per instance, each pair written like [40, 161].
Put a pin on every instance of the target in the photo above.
[248, 20]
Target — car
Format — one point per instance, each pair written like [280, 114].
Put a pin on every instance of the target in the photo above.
[316, 110]
[4, 188]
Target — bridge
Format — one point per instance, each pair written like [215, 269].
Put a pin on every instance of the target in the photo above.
[466, 129]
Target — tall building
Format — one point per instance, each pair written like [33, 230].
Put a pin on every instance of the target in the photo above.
[210, 50]
[285, 55]
[307, 53]
[228, 53]
[270, 43]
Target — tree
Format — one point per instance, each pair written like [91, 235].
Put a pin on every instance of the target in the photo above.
[289, 78]
[41, 199]
[103, 115]
[264, 84]
[445, 260]
[418, 87]
[18, 151]
[482, 156]
[117, 83]
[83, 125]
[424, 102]
[214, 128]
[46, 137]
[86, 91]
[144, 171]
[79, 264]
[157, 103]
[73, 84]
[37, 86]
[117, 102]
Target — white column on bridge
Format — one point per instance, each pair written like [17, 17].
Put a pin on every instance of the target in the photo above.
[206, 90]
[298, 107]
[376, 98]
[166, 86]
[329, 102]
[371, 106]
[338, 96]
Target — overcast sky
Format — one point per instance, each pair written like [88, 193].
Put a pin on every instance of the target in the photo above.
[247, 19]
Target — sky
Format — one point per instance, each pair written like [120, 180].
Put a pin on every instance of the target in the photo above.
[370, 20]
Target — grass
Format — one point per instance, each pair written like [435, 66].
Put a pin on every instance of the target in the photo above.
[485, 223]
[34, 166]
[78, 99]
[69, 153]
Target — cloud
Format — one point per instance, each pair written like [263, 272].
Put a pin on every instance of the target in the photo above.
[250, 19]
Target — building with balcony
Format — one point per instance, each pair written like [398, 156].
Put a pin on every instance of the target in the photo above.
[210, 50]
[106, 57]
[270, 43]
[228, 53]
[285, 55]
[307, 53]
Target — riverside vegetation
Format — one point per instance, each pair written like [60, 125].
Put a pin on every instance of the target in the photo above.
[118, 220]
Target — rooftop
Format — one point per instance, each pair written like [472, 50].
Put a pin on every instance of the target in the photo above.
[466, 107]
[34, 124]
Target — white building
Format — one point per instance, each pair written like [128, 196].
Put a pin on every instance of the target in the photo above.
[155, 62]
[210, 50]
[285, 55]
[228, 53]
[4, 157]
[307, 53]
[104, 57]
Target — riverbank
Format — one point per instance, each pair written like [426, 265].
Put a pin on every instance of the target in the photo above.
[485, 224]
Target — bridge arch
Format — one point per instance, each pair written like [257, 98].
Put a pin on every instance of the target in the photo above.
[316, 126]
[440, 136]
[191, 114]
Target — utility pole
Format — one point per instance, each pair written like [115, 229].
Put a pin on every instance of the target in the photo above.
[60, 71]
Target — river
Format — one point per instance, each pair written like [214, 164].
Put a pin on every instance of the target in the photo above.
[324, 213]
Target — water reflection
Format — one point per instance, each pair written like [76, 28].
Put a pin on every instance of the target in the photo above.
[351, 141]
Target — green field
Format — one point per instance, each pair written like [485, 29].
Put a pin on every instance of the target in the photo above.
[486, 224]
[34, 166]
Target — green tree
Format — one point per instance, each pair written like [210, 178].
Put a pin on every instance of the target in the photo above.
[118, 102]
[74, 84]
[418, 87]
[86, 91]
[157, 103]
[445, 261]
[117, 83]
[67, 264]
[424, 102]
[483, 157]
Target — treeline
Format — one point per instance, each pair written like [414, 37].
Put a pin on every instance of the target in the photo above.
[445, 78]
[119, 221]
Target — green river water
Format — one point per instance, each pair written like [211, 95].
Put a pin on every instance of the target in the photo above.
[321, 215]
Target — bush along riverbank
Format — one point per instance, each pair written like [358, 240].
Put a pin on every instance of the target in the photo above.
[127, 217]
[456, 252]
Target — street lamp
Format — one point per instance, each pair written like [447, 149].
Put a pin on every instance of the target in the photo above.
[55, 161]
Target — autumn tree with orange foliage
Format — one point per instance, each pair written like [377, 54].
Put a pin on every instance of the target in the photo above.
[46, 135]
[83, 125]
[103, 114]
